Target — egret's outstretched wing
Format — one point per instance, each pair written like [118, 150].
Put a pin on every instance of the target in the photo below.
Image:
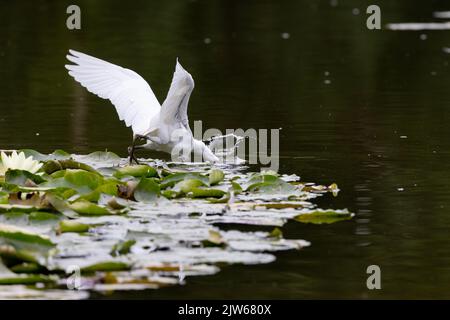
[174, 108]
[132, 96]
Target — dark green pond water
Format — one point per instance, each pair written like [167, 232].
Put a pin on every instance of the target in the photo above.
[378, 127]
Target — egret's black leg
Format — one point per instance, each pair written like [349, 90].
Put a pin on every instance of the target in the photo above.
[134, 147]
[131, 152]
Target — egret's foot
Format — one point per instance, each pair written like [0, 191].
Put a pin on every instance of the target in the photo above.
[134, 147]
[131, 155]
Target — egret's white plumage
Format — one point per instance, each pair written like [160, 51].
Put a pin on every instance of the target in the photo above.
[136, 104]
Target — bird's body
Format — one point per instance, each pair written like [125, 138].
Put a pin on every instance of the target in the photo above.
[164, 127]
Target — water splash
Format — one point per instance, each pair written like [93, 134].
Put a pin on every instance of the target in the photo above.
[228, 154]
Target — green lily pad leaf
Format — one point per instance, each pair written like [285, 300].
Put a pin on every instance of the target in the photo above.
[188, 185]
[27, 267]
[236, 187]
[82, 181]
[17, 208]
[264, 183]
[224, 199]
[4, 196]
[22, 178]
[174, 178]
[324, 216]
[113, 202]
[56, 155]
[87, 208]
[136, 171]
[147, 190]
[17, 244]
[26, 279]
[72, 226]
[43, 216]
[51, 166]
[170, 194]
[12, 235]
[122, 247]
[109, 188]
[206, 193]
[216, 176]
[276, 233]
[104, 157]
[61, 205]
[214, 240]
[106, 266]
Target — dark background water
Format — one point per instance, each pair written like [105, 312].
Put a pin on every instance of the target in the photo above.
[383, 85]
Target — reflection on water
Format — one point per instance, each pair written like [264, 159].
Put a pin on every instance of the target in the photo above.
[345, 98]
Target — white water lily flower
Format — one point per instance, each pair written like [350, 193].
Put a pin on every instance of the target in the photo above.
[19, 162]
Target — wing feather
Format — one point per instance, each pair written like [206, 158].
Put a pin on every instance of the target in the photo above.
[174, 108]
[131, 95]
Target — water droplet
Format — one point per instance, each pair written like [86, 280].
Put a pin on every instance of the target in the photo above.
[285, 35]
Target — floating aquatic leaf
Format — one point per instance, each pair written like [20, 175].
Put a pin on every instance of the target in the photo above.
[214, 240]
[25, 279]
[188, 185]
[172, 179]
[12, 235]
[276, 233]
[43, 216]
[108, 188]
[4, 197]
[122, 247]
[105, 158]
[236, 187]
[27, 267]
[324, 216]
[61, 206]
[19, 244]
[206, 193]
[21, 292]
[82, 181]
[72, 226]
[56, 155]
[143, 171]
[17, 208]
[215, 176]
[22, 178]
[84, 207]
[106, 266]
[147, 190]
[51, 166]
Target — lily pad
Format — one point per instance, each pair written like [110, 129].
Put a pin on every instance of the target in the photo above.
[22, 177]
[72, 226]
[215, 176]
[84, 207]
[143, 171]
[147, 190]
[106, 266]
[324, 216]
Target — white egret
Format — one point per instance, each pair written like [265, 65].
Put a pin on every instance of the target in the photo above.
[165, 128]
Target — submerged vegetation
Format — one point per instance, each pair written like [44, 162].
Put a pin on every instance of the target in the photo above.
[93, 223]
